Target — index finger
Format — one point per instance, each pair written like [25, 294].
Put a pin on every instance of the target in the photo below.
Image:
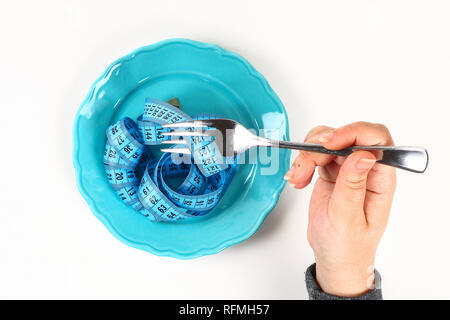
[359, 134]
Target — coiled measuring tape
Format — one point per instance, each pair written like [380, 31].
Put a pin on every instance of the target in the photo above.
[143, 181]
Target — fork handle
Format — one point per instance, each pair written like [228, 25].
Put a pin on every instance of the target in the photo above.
[414, 159]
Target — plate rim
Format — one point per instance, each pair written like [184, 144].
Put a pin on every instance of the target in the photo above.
[204, 251]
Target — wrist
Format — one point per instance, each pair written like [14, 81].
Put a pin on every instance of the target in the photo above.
[345, 281]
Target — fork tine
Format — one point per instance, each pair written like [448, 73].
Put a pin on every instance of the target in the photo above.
[185, 124]
[186, 134]
[176, 150]
[174, 142]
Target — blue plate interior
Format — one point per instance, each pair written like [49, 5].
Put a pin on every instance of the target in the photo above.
[205, 78]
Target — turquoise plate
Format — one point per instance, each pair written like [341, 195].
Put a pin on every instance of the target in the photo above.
[205, 78]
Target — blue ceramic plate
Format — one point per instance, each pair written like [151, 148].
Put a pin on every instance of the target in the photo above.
[205, 78]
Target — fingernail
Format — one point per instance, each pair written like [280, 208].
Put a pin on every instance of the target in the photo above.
[326, 137]
[364, 165]
[292, 185]
[289, 174]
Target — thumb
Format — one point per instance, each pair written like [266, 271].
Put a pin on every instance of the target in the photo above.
[349, 192]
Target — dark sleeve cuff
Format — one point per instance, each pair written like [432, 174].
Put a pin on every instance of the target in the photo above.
[316, 293]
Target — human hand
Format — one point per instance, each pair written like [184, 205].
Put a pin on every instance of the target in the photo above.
[349, 207]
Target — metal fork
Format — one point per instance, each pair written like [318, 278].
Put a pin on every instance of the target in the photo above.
[233, 138]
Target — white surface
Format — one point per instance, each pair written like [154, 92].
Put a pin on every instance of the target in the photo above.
[330, 63]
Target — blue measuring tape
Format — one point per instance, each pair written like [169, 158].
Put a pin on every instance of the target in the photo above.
[143, 181]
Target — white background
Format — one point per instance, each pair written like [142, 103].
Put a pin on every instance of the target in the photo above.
[330, 62]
